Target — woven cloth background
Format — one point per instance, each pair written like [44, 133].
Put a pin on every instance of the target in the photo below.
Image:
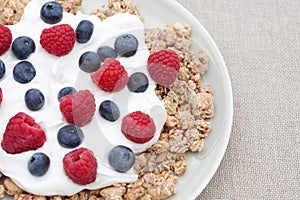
[260, 42]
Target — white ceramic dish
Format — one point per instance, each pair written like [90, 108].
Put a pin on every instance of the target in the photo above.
[201, 166]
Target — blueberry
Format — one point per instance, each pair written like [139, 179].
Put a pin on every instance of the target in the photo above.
[138, 82]
[2, 69]
[106, 52]
[34, 99]
[109, 110]
[65, 91]
[126, 45]
[89, 62]
[38, 164]
[121, 158]
[24, 72]
[51, 12]
[22, 47]
[84, 31]
[70, 136]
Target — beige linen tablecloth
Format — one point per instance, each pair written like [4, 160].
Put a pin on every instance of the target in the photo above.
[260, 42]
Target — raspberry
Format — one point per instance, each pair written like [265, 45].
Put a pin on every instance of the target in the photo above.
[111, 76]
[163, 66]
[5, 39]
[80, 166]
[138, 127]
[58, 40]
[78, 108]
[22, 134]
[1, 96]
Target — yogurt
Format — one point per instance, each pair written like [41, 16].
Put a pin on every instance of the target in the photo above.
[52, 74]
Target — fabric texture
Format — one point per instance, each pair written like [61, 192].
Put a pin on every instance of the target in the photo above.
[260, 42]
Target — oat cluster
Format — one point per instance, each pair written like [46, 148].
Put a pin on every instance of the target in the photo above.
[117, 6]
[12, 10]
[188, 104]
[70, 5]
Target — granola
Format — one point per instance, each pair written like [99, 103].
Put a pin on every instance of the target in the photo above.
[187, 102]
[11, 188]
[117, 6]
[2, 191]
[70, 5]
[188, 105]
[11, 10]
